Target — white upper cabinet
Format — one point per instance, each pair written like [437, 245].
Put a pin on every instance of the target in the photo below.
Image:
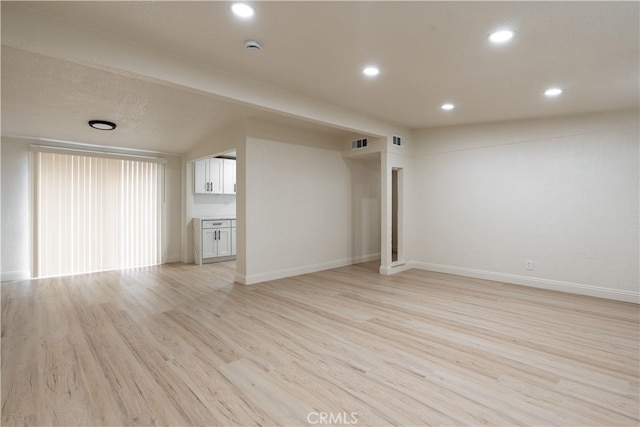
[214, 176]
[201, 176]
[229, 177]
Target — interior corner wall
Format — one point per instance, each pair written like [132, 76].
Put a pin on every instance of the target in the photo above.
[16, 209]
[307, 209]
[563, 193]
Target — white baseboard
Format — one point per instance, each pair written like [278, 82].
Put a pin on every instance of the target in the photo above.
[395, 268]
[555, 285]
[10, 276]
[173, 258]
[253, 279]
[364, 258]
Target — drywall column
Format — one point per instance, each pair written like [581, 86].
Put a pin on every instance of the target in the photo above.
[241, 212]
[395, 158]
[385, 214]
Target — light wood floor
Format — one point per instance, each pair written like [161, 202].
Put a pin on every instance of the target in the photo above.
[181, 345]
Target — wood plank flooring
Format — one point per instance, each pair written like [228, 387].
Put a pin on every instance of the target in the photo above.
[182, 345]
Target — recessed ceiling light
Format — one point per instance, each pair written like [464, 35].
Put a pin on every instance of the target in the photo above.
[501, 36]
[371, 71]
[102, 125]
[554, 91]
[242, 10]
[447, 106]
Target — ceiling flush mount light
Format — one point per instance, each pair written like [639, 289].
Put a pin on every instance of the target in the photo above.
[252, 45]
[102, 125]
[242, 10]
[447, 106]
[371, 71]
[553, 91]
[501, 36]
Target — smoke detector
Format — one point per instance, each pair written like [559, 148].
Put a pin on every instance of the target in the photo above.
[252, 45]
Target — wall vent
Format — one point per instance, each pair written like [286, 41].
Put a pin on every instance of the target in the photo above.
[359, 143]
[398, 141]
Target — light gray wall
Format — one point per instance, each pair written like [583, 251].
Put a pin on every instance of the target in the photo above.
[307, 209]
[16, 209]
[174, 201]
[562, 192]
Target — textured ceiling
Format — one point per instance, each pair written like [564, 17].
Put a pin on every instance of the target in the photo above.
[428, 52]
[44, 97]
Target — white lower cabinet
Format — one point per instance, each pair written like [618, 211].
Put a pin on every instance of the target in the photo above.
[223, 242]
[212, 240]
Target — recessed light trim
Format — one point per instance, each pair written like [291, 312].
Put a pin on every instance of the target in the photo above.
[447, 106]
[553, 91]
[371, 71]
[501, 36]
[242, 10]
[102, 124]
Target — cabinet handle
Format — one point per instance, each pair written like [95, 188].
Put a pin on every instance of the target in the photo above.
[234, 188]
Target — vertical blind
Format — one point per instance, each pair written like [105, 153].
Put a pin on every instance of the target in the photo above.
[95, 213]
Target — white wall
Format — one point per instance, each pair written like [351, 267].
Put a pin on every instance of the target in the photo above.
[562, 192]
[16, 216]
[16, 208]
[172, 245]
[307, 208]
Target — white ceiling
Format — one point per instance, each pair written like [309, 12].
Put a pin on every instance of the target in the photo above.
[428, 53]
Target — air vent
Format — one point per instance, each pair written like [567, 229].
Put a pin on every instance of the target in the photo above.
[359, 143]
[398, 141]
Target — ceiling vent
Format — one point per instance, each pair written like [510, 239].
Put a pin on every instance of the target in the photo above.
[359, 143]
[398, 141]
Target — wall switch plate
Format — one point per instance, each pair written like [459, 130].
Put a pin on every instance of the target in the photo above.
[528, 264]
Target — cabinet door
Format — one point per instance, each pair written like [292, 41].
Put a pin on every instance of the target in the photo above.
[201, 176]
[233, 241]
[224, 241]
[229, 180]
[215, 175]
[209, 243]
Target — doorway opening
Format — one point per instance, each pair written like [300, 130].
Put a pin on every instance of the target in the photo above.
[396, 216]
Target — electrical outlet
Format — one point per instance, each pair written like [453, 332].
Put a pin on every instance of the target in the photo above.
[528, 264]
